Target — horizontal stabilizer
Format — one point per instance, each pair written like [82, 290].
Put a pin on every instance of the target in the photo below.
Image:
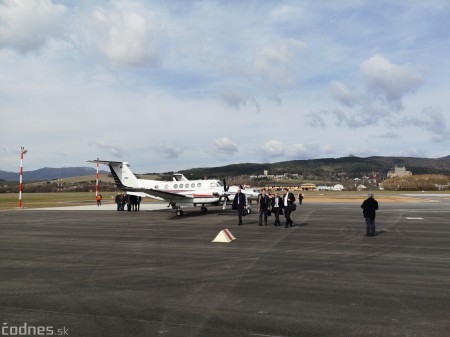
[107, 162]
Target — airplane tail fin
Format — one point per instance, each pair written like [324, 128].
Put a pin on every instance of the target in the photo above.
[123, 177]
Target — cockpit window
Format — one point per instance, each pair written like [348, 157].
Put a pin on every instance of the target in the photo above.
[219, 183]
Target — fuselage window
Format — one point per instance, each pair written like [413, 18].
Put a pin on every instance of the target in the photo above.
[213, 184]
[156, 187]
[181, 185]
[199, 185]
[166, 186]
[193, 185]
[175, 186]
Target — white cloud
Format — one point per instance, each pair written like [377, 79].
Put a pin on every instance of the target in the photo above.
[316, 119]
[433, 121]
[310, 151]
[107, 149]
[343, 94]
[286, 12]
[276, 63]
[301, 151]
[391, 81]
[271, 149]
[168, 151]
[126, 37]
[237, 99]
[380, 99]
[389, 135]
[29, 25]
[225, 146]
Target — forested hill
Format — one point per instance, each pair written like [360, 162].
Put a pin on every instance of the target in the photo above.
[328, 168]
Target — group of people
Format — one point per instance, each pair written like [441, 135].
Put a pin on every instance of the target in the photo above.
[267, 204]
[133, 202]
[285, 204]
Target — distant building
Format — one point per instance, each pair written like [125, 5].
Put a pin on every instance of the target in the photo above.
[337, 187]
[309, 187]
[374, 178]
[281, 186]
[399, 172]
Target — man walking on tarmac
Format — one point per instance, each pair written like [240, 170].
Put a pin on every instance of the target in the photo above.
[369, 206]
[239, 203]
[288, 205]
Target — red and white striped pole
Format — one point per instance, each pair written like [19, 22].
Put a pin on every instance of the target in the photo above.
[96, 181]
[22, 152]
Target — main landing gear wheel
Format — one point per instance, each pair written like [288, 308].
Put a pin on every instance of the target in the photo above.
[203, 210]
[179, 212]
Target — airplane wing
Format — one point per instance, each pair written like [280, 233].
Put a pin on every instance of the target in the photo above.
[143, 195]
[166, 196]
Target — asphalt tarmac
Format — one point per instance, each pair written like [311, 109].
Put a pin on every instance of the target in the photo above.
[101, 272]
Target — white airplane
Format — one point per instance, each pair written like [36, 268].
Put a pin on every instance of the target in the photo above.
[180, 192]
[250, 193]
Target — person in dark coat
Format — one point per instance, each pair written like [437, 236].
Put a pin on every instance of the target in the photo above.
[288, 201]
[138, 203]
[277, 206]
[118, 201]
[239, 203]
[369, 206]
[300, 198]
[263, 207]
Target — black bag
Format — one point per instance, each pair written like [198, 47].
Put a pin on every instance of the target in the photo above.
[293, 207]
[269, 212]
[245, 212]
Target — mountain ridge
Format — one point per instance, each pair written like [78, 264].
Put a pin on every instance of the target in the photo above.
[50, 173]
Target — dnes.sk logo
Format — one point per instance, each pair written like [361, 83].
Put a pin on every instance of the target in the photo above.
[32, 330]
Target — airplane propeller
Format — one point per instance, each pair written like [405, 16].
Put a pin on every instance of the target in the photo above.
[225, 187]
[225, 194]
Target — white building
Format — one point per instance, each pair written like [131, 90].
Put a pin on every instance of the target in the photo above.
[337, 187]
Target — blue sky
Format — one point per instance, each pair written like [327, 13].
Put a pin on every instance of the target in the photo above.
[172, 85]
